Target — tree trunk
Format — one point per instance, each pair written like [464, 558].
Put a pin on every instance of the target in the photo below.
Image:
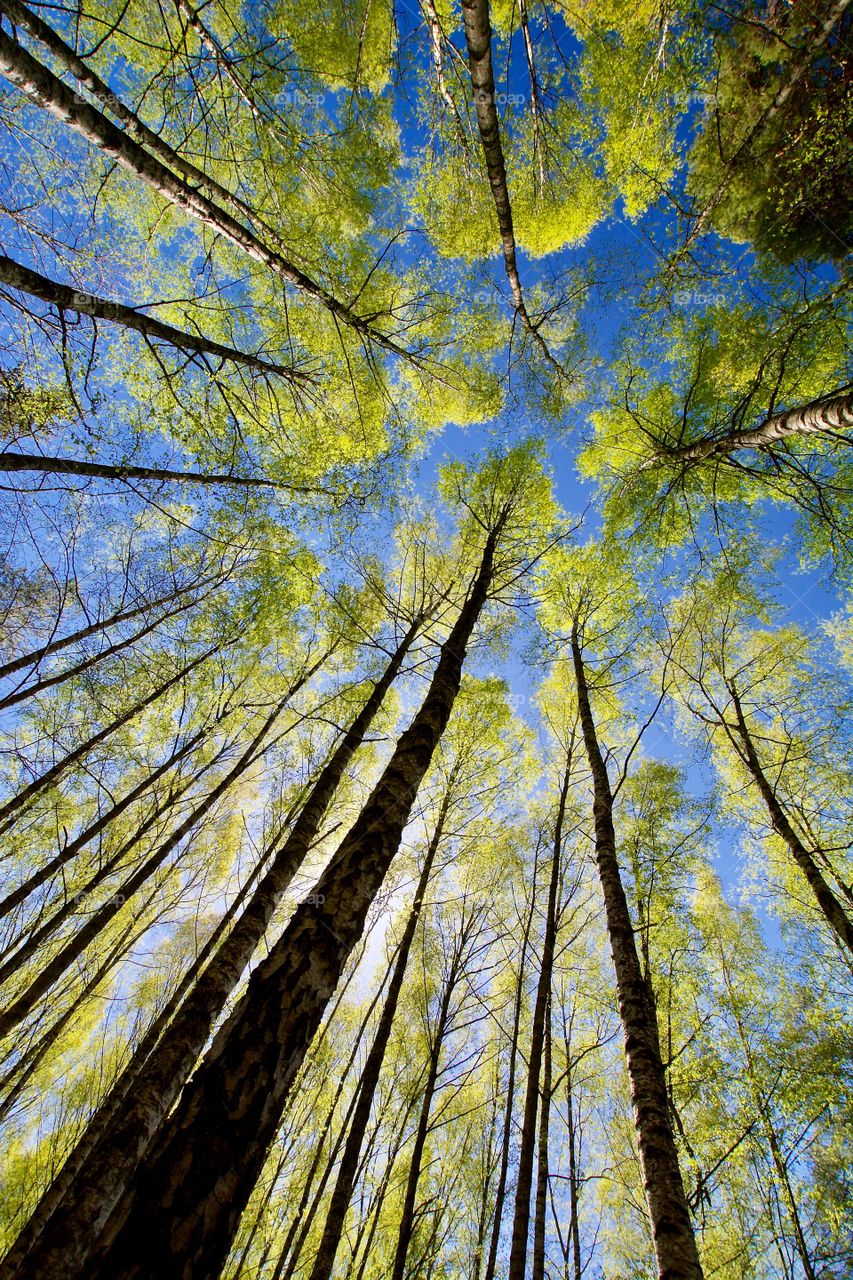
[35, 656]
[672, 1230]
[506, 1139]
[122, 472]
[49, 682]
[478, 36]
[21, 16]
[99, 1186]
[324, 1259]
[47, 779]
[76, 945]
[829, 906]
[182, 1213]
[537, 1271]
[541, 1014]
[831, 415]
[39, 84]
[407, 1217]
[64, 298]
[99, 1124]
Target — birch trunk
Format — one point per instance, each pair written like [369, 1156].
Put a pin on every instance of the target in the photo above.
[669, 1215]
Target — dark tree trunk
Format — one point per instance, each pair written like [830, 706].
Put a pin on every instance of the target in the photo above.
[183, 1211]
[829, 906]
[537, 1271]
[478, 36]
[106, 471]
[669, 1215]
[506, 1138]
[64, 298]
[101, 1183]
[524, 1184]
[55, 772]
[336, 1213]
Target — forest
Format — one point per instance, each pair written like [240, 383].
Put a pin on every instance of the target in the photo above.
[426, 640]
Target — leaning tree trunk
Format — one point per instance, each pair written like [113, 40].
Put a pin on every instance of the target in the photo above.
[829, 906]
[506, 1137]
[672, 1231]
[524, 1184]
[73, 1228]
[830, 415]
[41, 86]
[182, 1213]
[124, 472]
[324, 1259]
[10, 809]
[64, 298]
[478, 36]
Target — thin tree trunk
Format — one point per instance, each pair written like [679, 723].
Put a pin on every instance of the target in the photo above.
[76, 945]
[99, 1186]
[70, 850]
[831, 909]
[124, 472]
[831, 415]
[407, 1216]
[574, 1172]
[537, 1271]
[99, 1125]
[672, 1230]
[524, 1184]
[35, 656]
[22, 16]
[64, 298]
[186, 1204]
[506, 1138]
[39, 84]
[478, 35]
[67, 762]
[324, 1259]
[49, 682]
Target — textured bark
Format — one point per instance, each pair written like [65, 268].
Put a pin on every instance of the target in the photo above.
[76, 945]
[100, 1124]
[478, 36]
[324, 1259]
[183, 1211]
[669, 1215]
[73, 1232]
[21, 16]
[35, 656]
[55, 772]
[831, 415]
[829, 906]
[506, 1139]
[64, 298]
[47, 91]
[537, 1271]
[541, 1014]
[76, 467]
